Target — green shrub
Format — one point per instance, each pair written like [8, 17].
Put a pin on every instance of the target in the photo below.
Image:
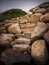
[13, 13]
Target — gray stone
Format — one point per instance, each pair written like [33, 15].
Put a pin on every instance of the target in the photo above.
[10, 57]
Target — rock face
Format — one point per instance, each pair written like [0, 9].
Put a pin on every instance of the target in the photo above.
[46, 37]
[10, 57]
[15, 29]
[39, 52]
[41, 10]
[38, 31]
[6, 39]
[45, 18]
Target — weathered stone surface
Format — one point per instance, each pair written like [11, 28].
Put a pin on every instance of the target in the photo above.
[22, 40]
[38, 31]
[15, 29]
[34, 19]
[6, 21]
[27, 25]
[29, 13]
[41, 10]
[8, 24]
[38, 14]
[6, 39]
[21, 47]
[48, 9]
[39, 52]
[27, 34]
[10, 57]
[3, 30]
[19, 35]
[46, 37]
[27, 30]
[47, 26]
[45, 18]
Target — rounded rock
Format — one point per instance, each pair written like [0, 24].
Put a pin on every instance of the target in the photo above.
[39, 52]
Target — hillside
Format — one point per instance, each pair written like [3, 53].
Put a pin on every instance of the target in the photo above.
[13, 13]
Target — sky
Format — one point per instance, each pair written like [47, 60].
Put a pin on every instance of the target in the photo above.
[25, 5]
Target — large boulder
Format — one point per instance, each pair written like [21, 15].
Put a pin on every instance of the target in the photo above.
[39, 52]
[46, 37]
[14, 28]
[38, 31]
[38, 15]
[6, 39]
[9, 57]
[45, 18]
[34, 18]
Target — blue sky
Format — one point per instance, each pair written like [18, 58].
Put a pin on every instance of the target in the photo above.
[22, 4]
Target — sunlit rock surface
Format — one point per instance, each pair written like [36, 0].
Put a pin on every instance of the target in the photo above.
[39, 52]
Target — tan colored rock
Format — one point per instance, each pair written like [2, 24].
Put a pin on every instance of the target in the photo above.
[3, 29]
[45, 18]
[38, 15]
[39, 52]
[23, 41]
[41, 10]
[47, 26]
[8, 24]
[29, 13]
[20, 47]
[22, 21]
[14, 28]
[27, 34]
[27, 25]
[19, 35]
[38, 31]
[6, 39]
[27, 30]
[46, 37]
[36, 8]
[6, 21]
[48, 9]
[34, 19]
